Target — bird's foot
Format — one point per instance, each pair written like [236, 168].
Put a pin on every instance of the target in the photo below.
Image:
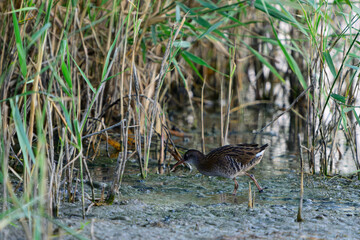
[262, 189]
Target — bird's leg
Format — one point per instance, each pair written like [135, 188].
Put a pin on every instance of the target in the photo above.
[235, 187]
[256, 183]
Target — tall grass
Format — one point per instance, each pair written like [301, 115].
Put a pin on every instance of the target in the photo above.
[322, 38]
[70, 69]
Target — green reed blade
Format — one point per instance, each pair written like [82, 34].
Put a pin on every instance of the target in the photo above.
[290, 60]
[19, 44]
[179, 71]
[271, 11]
[22, 137]
[66, 73]
[210, 29]
[330, 63]
[67, 117]
[192, 65]
[338, 97]
[264, 61]
[84, 76]
[38, 34]
[200, 61]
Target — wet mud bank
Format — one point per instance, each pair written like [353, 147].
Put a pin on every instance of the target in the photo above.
[190, 206]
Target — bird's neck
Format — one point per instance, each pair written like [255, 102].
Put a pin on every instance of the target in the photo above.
[199, 160]
[195, 158]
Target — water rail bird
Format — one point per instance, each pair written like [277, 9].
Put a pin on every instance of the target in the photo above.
[227, 161]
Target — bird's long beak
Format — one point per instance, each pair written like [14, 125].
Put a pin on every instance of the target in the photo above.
[177, 164]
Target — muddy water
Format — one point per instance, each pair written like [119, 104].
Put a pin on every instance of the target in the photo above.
[187, 205]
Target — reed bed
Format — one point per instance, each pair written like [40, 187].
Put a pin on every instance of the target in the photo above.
[73, 71]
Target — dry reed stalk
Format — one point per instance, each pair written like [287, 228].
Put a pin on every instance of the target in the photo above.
[35, 99]
[121, 161]
[3, 47]
[253, 198]
[191, 97]
[154, 108]
[202, 117]
[5, 147]
[313, 109]
[145, 12]
[222, 112]
[58, 172]
[90, 178]
[148, 93]
[333, 148]
[94, 141]
[105, 129]
[250, 200]
[162, 148]
[122, 157]
[51, 154]
[128, 113]
[68, 168]
[122, 81]
[171, 148]
[299, 218]
[232, 69]
[244, 105]
[112, 14]
[309, 126]
[138, 120]
[159, 80]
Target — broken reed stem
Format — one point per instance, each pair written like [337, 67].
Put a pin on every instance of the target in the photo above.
[202, 117]
[250, 202]
[299, 218]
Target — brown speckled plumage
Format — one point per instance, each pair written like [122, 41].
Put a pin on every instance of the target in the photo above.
[228, 161]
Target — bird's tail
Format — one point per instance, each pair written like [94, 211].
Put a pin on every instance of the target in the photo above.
[262, 148]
